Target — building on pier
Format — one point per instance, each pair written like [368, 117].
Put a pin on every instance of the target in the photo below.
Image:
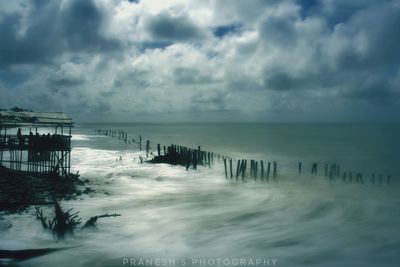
[37, 142]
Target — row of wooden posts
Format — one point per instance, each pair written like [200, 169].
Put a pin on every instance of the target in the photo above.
[241, 167]
[191, 158]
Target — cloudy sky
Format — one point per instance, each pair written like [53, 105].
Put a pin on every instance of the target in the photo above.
[203, 60]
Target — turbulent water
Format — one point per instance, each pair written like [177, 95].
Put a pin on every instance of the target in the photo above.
[199, 218]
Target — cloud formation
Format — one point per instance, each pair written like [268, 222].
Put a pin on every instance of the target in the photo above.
[255, 60]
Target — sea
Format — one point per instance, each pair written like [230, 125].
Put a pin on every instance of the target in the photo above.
[171, 216]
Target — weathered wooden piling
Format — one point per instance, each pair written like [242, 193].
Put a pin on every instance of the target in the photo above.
[226, 171]
[256, 170]
[262, 169]
[359, 178]
[299, 167]
[238, 169]
[314, 168]
[147, 148]
[251, 168]
[275, 169]
[230, 168]
[268, 170]
[326, 170]
[243, 168]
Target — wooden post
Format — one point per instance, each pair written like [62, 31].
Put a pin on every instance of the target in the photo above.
[344, 177]
[237, 169]
[373, 179]
[300, 167]
[226, 171]
[147, 148]
[268, 170]
[255, 170]
[140, 142]
[275, 169]
[230, 167]
[389, 177]
[158, 149]
[244, 165]
[262, 170]
[326, 170]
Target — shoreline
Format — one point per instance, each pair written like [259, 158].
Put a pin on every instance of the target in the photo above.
[20, 190]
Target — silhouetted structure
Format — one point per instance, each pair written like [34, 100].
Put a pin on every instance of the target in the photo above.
[35, 142]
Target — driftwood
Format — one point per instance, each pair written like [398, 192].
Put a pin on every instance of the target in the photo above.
[91, 222]
[65, 222]
[62, 223]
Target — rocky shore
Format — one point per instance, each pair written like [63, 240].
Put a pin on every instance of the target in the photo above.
[19, 190]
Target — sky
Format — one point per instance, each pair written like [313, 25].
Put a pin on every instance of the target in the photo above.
[203, 60]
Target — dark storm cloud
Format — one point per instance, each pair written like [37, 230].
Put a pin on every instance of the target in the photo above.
[167, 27]
[278, 31]
[64, 82]
[38, 44]
[143, 46]
[222, 30]
[380, 91]
[51, 31]
[81, 22]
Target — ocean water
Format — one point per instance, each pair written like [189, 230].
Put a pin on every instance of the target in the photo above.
[174, 217]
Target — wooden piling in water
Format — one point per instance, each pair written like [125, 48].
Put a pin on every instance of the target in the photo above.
[230, 168]
[268, 170]
[262, 169]
[238, 169]
[299, 167]
[275, 169]
[226, 171]
[326, 170]
[244, 166]
[314, 168]
[255, 170]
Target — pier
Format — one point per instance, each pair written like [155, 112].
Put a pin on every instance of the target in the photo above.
[36, 142]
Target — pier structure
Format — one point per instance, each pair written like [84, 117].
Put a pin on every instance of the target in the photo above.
[38, 142]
